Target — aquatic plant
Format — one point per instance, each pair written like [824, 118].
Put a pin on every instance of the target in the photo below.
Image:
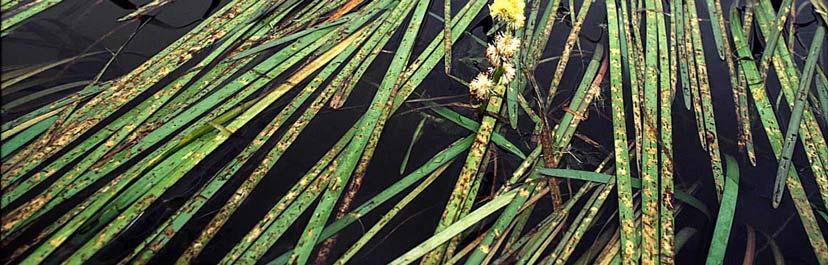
[179, 146]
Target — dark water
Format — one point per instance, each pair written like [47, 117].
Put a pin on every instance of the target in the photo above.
[76, 27]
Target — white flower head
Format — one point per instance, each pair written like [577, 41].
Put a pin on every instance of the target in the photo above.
[507, 45]
[492, 55]
[480, 86]
[508, 73]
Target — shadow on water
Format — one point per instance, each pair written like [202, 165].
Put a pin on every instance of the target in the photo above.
[80, 27]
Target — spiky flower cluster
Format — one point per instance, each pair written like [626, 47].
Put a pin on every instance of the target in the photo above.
[506, 45]
[500, 55]
[503, 48]
[508, 73]
[509, 11]
[480, 86]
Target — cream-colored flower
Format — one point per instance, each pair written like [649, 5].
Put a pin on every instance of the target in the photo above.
[509, 11]
[492, 55]
[480, 86]
[507, 45]
[508, 74]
